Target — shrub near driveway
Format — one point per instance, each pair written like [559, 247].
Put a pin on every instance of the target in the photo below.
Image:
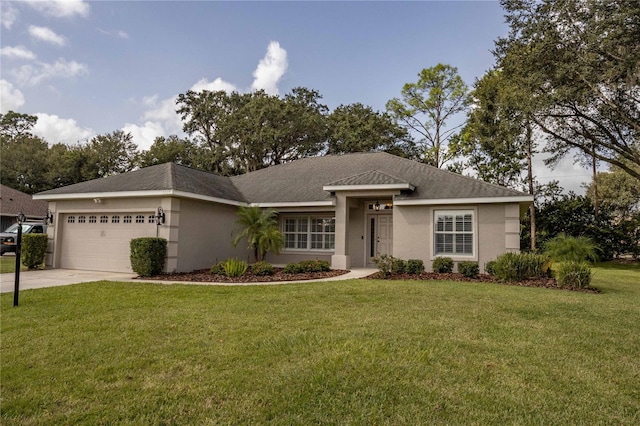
[349, 352]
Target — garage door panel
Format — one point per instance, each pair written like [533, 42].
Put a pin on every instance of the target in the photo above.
[100, 246]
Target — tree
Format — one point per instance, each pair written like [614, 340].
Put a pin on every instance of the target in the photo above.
[170, 150]
[616, 189]
[110, 154]
[260, 229]
[13, 124]
[358, 128]
[24, 163]
[427, 105]
[580, 62]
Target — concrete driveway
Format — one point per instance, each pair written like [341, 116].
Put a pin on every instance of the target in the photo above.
[57, 277]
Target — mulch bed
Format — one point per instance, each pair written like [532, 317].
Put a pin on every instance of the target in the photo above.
[204, 275]
[482, 278]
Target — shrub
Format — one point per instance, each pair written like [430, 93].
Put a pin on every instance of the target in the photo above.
[398, 266]
[262, 268]
[293, 268]
[574, 274]
[324, 265]
[309, 266]
[34, 248]
[234, 268]
[564, 248]
[521, 266]
[469, 269]
[147, 255]
[415, 266]
[218, 269]
[384, 263]
[490, 267]
[442, 265]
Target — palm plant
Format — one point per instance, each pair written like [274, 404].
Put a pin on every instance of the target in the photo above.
[260, 228]
[564, 248]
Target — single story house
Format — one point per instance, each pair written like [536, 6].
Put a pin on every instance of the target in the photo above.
[345, 209]
[12, 202]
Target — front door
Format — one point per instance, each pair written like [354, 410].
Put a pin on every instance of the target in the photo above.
[380, 236]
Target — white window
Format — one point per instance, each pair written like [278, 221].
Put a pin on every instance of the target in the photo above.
[309, 233]
[82, 219]
[115, 219]
[454, 233]
[152, 219]
[104, 219]
[126, 219]
[140, 218]
[92, 219]
[71, 219]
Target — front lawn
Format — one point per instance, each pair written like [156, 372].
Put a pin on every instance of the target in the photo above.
[8, 264]
[347, 352]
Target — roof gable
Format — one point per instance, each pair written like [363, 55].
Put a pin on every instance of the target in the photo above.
[12, 202]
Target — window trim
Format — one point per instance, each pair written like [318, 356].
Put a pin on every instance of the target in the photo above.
[474, 233]
[309, 232]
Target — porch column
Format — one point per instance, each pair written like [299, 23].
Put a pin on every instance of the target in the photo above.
[340, 258]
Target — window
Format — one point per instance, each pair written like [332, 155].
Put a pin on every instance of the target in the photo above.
[115, 219]
[126, 219]
[152, 219]
[82, 219]
[454, 232]
[71, 219]
[92, 219]
[309, 233]
[140, 218]
[104, 219]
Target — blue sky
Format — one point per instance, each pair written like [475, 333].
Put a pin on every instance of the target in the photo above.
[87, 68]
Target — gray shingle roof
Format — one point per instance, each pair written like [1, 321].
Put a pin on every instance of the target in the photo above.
[13, 202]
[302, 180]
[167, 176]
[299, 181]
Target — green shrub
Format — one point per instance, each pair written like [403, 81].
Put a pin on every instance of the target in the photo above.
[293, 268]
[218, 269]
[415, 266]
[565, 248]
[234, 268]
[521, 266]
[490, 267]
[469, 269]
[147, 255]
[324, 265]
[309, 266]
[34, 248]
[442, 265]
[574, 274]
[384, 263]
[398, 266]
[262, 268]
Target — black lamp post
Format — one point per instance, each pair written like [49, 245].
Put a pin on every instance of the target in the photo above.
[21, 218]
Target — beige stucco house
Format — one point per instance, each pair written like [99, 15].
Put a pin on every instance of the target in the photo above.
[345, 209]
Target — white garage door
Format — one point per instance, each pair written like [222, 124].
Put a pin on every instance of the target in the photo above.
[100, 242]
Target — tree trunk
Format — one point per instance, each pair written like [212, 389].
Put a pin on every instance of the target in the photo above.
[532, 208]
[594, 166]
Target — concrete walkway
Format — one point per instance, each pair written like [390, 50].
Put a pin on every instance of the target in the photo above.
[57, 277]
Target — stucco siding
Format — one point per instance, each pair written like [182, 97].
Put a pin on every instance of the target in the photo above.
[411, 233]
[204, 236]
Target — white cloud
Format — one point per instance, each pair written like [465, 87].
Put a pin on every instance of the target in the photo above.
[61, 8]
[9, 14]
[570, 173]
[11, 99]
[114, 33]
[36, 74]
[145, 135]
[54, 129]
[17, 52]
[47, 35]
[163, 113]
[270, 69]
[213, 86]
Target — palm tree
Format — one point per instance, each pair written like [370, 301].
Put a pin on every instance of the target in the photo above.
[260, 228]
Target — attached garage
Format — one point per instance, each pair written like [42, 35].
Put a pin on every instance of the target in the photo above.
[100, 241]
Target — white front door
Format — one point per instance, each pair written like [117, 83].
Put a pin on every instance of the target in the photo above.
[380, 236]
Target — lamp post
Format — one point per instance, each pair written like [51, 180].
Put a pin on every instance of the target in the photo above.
[21, 218]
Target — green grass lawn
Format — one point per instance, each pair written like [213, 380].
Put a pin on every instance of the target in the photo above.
[352, 352]
[8, 264]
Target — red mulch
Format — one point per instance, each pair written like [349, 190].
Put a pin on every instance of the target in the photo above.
[204, 275]
[482, 278]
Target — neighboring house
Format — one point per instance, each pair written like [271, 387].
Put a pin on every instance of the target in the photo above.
[12, 202]
[345, 209]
